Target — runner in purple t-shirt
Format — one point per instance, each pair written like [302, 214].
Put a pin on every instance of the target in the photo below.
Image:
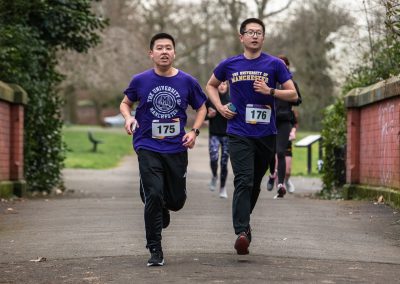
[252, 77]
[163, 94]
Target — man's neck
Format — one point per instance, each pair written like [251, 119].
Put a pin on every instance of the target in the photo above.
[165, 72]
[251, 54]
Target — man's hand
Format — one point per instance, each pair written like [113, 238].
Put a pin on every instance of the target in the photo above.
[189, 139]
[211, 112]
[226, 112]
[261, 87]
[129, 123]
[292, 135]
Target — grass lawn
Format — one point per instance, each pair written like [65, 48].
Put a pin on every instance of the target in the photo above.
[117, 144]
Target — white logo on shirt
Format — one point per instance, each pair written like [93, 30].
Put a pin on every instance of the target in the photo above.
[164, 100]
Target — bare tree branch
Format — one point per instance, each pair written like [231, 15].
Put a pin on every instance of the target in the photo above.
[262, 4]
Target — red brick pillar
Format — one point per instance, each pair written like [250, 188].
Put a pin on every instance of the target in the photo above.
[12, 101]
[17, 142]
[4, 140]
[353, 146]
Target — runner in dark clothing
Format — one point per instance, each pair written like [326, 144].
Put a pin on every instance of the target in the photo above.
[284, 125]
[252, 76]
[218, 139]
[163, 94]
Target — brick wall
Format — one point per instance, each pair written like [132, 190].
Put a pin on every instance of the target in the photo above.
[4, 140]
[12, 101]
[373, 135]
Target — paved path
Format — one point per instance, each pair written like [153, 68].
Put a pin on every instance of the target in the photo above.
[95, 234]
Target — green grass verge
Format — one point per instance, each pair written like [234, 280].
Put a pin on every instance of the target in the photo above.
[116, 144]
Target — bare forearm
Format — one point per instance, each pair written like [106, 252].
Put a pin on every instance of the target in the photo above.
[125, 108]
[286, 95]
[213, 95]
[200, 115]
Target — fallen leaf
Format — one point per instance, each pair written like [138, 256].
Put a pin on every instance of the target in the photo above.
[39, 259]
[11, 211]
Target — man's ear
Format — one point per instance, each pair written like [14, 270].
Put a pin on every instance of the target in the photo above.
[150, 53]
[240, 37]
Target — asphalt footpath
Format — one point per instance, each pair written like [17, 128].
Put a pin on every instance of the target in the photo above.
[94, 233]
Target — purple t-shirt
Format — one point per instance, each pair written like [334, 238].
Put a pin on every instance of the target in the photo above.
[255, 112]
[161, 112]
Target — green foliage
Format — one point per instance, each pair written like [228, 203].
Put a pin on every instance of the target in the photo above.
[31, 32]
[334, 139]
[384, 65]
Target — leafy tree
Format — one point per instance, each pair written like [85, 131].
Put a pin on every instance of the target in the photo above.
[31, 33]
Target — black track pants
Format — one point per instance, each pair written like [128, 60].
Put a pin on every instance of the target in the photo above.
[162, 184]
[250, 160]
[282, 139]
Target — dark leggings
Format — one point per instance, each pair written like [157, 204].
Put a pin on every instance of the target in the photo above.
[282, 138]
[214, 144]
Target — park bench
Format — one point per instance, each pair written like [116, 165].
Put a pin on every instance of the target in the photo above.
[94, 141]
[307, 142]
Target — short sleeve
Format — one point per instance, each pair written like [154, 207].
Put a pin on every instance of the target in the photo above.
[220, 71]
[283, 73]
[131, 91]
[197, 97]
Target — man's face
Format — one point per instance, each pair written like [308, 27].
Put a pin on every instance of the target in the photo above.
[253, 37]
[163, 52]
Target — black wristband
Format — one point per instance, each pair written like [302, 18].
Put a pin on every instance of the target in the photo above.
[272, 92]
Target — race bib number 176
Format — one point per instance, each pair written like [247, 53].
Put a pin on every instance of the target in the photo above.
[256, 114]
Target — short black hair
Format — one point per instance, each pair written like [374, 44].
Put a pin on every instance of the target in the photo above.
[248, 21]
[161, 36]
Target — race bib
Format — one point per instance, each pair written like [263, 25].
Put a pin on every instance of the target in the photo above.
[162, 128]
[258, 114]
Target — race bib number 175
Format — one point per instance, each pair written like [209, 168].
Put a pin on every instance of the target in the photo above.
[162, 128]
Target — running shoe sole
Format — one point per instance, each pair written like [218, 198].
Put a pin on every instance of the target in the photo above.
[155, 264]
[242, 244]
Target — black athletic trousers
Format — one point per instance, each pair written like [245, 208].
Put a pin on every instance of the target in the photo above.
[250, 160]
[284, 128]
[162, 184]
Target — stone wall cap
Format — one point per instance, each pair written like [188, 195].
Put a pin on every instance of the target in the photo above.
[382, 90]
[13, 93]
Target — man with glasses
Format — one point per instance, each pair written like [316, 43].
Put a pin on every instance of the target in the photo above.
[252, 76]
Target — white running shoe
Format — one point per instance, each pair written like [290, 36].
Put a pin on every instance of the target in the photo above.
[222, 193]
[289, 186]
[213, 183]
[281, 191]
